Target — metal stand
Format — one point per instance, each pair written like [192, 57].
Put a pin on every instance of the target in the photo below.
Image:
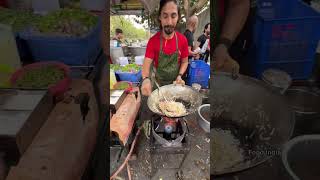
[159, 146]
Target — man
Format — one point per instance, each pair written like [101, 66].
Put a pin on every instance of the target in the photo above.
[119, 37]
[167, 50]
[192, 24]
[202, 40]
[232, 20]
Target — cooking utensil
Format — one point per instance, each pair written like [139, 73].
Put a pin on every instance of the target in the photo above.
[203, 117]
[250, 110]
[159, 91]
[301, 158]
[189, 97]
[196, 86]
[278, 79]
[303, 100]
[157, 84]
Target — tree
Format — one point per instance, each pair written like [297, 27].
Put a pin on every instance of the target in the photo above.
[189, 8]
[128, 28]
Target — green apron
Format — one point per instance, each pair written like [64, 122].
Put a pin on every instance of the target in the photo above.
[168, 66]
[166, 72]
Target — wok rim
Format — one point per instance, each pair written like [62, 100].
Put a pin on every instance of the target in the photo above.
[193, 110]
[275, 93]
[289, 145]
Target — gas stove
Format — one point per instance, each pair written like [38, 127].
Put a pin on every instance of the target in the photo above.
[168, 137]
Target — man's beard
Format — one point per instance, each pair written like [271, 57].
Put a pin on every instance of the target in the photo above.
[168, 29]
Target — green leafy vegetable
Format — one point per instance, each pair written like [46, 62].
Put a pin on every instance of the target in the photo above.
[71, 22]
[67, 21]
[18, 20]
[40, 77]
[133, 68]
[122, 85]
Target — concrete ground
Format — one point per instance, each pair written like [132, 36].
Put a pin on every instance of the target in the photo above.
[195, 167]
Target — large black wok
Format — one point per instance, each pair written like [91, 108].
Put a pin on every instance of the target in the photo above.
[255, 114]
[188, 96]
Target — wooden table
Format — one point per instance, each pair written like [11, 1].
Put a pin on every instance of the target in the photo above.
[62, 148]
[22, 113]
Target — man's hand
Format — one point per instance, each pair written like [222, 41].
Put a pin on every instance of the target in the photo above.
[223, 61]
[146, 87]
[220, 56]
[179, 81]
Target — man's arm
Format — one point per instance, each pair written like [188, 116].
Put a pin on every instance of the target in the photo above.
[146, 87]
[237, 13]
[146, 67]
[234, 21]
[190, 44]
[197, 44]
[184, 65]
[191, 53]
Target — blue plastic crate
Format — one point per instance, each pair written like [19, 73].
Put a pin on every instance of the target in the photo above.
[131, 77]
[297, 70]
[285, 31]
[199, 72]
[23, 48]
[69, 50]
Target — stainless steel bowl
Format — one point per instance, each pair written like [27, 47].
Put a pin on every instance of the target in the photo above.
[301, 158]
[203, 117]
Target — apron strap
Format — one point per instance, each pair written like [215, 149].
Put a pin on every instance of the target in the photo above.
[177, 49]
[160, 42]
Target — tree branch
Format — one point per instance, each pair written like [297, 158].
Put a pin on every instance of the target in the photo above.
[186, 7]
[198, 6]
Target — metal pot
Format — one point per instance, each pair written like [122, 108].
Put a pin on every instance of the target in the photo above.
[240, 97]
[126, 51]
[205, 95]
[137, 51]
[115, 53]
[189, 97]
[303, 100]
[203, 117]
[301, 158]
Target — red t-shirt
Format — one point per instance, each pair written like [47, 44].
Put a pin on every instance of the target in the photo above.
[168, 47]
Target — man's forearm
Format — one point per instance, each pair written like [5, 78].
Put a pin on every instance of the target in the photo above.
[183, 66]
[237, 13]
[191, 53]
[146, 67]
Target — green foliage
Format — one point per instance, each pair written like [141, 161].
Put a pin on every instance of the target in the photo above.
[133, 68]
[128, 28]
[153, 17]
[18, 20]
[122, 85]
[67, 21]
[40, 77]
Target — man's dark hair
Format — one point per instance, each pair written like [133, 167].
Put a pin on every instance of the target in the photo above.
[163, 3]
[205, 27]
[118, 31]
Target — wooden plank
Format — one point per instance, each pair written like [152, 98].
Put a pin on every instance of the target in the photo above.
[62, 148]
[31, 127]
[122, 122]
[21, 118]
